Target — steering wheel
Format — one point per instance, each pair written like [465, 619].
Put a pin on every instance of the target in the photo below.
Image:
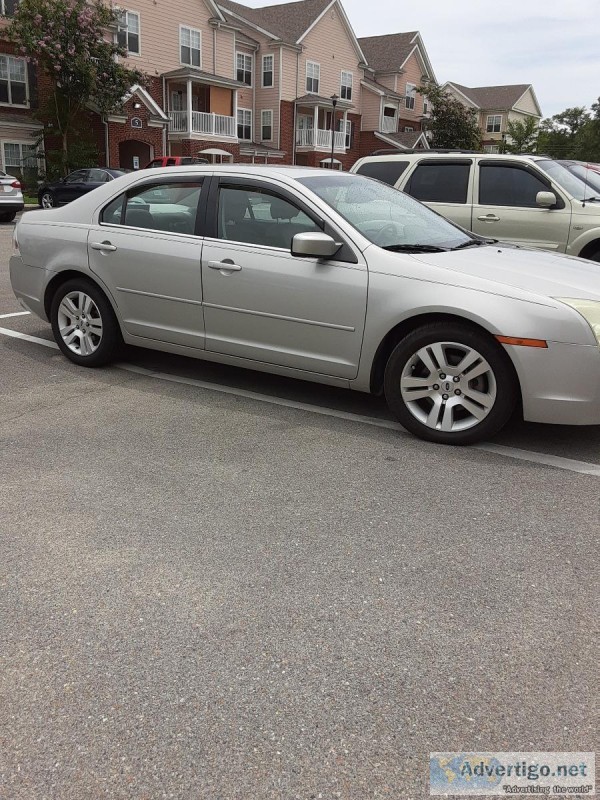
[383, 233]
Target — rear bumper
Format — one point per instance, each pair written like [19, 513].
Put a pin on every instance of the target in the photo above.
[8, 206]
[28, 284]
[560, 385]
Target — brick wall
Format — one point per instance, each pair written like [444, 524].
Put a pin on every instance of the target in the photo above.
[286, 123]
[122, 132]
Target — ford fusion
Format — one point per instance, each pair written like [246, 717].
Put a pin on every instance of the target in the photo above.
[323, 276]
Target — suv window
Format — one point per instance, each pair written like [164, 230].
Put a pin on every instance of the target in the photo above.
[508, 185]
[260, 217]
[385, 171]
[440, 183]
[169, 207]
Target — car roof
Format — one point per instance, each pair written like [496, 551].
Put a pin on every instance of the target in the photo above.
[251, 170]
[451, 156]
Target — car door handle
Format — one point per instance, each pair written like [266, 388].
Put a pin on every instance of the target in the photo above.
[224, 266]
[489, 218]
[104, 247]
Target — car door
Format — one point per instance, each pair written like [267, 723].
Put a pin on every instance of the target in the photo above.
[505, 206]
[445, 186]
[263, 303]
[146, 248]
[72, 187]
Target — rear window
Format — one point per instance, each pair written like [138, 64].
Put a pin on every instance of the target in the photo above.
[440, 183]
[384, 171]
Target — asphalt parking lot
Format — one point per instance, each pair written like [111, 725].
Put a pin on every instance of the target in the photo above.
[219, 584]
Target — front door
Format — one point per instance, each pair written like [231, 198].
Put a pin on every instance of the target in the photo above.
[73, 186]
[504, 207]
[145, 249]
[263, 303]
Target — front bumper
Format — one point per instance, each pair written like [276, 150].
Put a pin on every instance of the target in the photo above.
[560, 385]
[28, 284]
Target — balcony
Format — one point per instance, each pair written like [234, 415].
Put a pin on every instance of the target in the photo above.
[320, 139]
[202, 122]
[389, 125]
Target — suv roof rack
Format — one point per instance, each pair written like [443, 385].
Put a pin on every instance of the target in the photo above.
[422, 150]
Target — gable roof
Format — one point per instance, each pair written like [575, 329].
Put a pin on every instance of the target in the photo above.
[501, 98]
[387, 53]
[285, 21]
[403, 140]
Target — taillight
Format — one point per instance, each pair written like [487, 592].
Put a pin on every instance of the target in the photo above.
[16, 184]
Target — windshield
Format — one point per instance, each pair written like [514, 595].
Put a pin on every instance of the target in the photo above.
[589, 175]
[384, 215]
[568, 180]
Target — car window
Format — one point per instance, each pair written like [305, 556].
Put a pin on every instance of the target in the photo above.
[440, 183]
[260, 217]
[77, 177]
[97, 176]
[171, 207]
[156, 163]
[508, 185]
[171, 162]
[385, 171]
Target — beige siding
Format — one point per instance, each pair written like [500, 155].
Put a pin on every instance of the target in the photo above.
[225, 54]
[267, 98]
[527, 103]
[289, 90]
[412, 74]
[159, 34]
[371, 106]
[330, 45]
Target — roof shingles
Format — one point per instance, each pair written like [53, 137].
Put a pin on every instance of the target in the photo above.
[496, 98]
[388, 53]
[287, 21]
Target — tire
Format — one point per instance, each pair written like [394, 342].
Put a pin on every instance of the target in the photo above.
[8, 216]
[98, 338]
[47, 199]
[430, 394]
[594, 256]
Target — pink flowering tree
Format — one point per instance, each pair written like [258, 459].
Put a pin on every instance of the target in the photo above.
[72, 44]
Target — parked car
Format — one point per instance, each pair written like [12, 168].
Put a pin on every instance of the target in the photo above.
[175, 161]
[590, 173]
[11, 197]
[324, 276]
[75, 185]
[527, 200]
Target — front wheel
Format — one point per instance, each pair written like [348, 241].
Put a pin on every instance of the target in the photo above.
[84, 324]
[450, 384]
[47, 200]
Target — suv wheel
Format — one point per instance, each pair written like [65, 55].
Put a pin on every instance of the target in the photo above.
[450, 384]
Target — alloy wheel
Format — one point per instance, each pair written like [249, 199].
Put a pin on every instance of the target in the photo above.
[80, 323]
[47, 200]
[448, 386]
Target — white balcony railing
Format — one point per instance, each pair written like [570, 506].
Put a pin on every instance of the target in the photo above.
[202, 122]
[320, 139]
[390, 125]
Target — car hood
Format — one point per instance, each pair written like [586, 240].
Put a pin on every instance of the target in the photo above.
[532, 271]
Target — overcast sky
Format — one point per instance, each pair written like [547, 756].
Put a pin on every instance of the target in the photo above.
[553, 45]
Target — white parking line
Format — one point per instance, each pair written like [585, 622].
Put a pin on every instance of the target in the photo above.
[568, 464]
[15, 314]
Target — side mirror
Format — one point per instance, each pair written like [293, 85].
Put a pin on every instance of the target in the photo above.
[315, 245]
[545, 199]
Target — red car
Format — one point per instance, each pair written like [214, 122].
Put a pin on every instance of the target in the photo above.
[175, 161]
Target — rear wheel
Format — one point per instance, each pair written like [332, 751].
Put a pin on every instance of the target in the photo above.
[8, 216]
[450, 384]
[84, 324]
[47, 200]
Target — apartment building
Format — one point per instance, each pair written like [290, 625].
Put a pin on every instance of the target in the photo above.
[496, 106]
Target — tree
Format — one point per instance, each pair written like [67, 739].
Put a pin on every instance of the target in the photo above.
[452, 125]
[67, 40]
[523, 136]
[561, 136]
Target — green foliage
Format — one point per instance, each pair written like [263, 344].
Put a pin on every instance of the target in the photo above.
[67, 41]
[523, 136]
[452, 124]
[574, 133]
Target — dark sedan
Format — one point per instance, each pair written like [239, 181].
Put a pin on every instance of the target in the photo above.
[75, 185]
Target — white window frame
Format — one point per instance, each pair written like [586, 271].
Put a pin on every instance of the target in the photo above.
[409, 96]
[312, 77]
[347, 130]
[10, 58]
[21, 144]
[264, 111]
[125, 27]
[243, 124]
[238, 54]
[491, 128]
[350, 86]
[183, 28]
[409, 129]
[272, 71]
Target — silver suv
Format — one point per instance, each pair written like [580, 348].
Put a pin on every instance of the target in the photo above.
[528, 200]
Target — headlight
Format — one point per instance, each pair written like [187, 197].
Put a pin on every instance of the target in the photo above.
[589, 310]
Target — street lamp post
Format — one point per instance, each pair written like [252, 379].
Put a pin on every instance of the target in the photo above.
[334, 99]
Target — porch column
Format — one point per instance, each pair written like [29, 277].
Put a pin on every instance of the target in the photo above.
[189, 106]
[235, 99]
[316, 126]
[345, 122]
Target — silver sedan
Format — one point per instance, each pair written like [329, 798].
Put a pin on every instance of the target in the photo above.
[323, 276]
